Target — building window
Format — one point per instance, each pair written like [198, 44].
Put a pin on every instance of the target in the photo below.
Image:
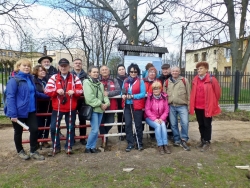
[214, 52]
[10, 54]
[196, 57]
[227, 52]
[204, 56]
[3, 53]
[227, 71]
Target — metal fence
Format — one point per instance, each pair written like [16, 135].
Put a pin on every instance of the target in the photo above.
[235, 86]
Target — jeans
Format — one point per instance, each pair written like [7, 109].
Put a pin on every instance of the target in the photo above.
[95, 122]
[205, 124]
[182, 111]
[53, 128]
[31, 122]
[137, 114]
[107, 118]
[160, 132]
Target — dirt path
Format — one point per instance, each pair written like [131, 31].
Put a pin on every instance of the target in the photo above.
[223, 131]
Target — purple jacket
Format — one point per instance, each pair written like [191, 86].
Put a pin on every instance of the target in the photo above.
[157, 108]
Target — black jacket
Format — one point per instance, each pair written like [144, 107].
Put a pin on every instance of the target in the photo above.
[163, 78]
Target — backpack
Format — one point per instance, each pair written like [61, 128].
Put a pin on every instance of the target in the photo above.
[5, 91]
[183, 80]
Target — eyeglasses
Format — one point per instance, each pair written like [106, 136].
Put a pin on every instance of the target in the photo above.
[132, 72]
[156, 88]
[151, 72]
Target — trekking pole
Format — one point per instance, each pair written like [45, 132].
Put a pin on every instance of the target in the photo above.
[57, 117]
[45, 125]
[134, 128]
[69, 131]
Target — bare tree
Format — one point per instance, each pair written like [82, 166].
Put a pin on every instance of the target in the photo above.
[12, 14]
[125, 14]
[209, 20]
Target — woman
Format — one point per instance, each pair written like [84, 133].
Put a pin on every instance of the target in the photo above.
[204, 101]
[21, 105]
[145, 73]
[133, 95]
[156, 112]
[149, 80]
[93, 93]
[39, 73]
[121, 76]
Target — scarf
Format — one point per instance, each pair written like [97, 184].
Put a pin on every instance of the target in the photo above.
[131, 80]
[202, 77]
[122, 77]
[157, 97]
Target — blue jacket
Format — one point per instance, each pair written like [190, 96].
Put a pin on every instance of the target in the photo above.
[18, 97]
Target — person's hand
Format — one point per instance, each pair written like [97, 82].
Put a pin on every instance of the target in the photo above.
[106, 93]
[104, 106]
[157, 121]
[60, 92]
[160, 121]
[70, 92]
[14, 119]
[124, 97]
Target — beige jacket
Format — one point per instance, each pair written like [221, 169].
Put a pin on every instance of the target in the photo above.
[178, 91]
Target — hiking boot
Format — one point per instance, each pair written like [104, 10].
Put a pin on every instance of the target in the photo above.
[50, 153]
[184, 145]
[61, 134]
[205, 147]
[46, 145]
[140, 148]
[37, 156]
[176, 144]
[166, 149]
[161, 150]
[200, 145]
[22, 154]
[69, 151]
[129, 148]
[83, 142]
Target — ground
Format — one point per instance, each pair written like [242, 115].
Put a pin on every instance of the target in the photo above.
[215, 168]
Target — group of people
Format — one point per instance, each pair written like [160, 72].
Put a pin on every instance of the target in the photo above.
[167, 97]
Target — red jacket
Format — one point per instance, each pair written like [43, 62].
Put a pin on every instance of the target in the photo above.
[156, 108]
[212, 92]
[148, 84]
[138, 104]
[70, 83]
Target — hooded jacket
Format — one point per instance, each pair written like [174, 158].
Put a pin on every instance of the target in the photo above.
[18, 96]
[212, 95]
[93, 94]
[156, 108]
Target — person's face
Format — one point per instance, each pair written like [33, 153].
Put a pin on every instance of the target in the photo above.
[156, 91]
[64, 68]
[25, 68]
[202, 71]
[77, 65]
[104, 71]
[121, 71]
[166, 72]
[175, 73]
[133, 72]
[151, 74]
[41, 73]
[46, 63]
[94, 73]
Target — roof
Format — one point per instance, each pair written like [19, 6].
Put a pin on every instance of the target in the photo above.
[145, 49]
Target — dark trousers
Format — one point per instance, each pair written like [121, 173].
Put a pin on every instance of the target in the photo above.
[137, 114]
[120, 119]
[107, 118]
[82, 130]
[53, 127]
[42, 122]
[168, 124]
[31, 122]
[205, 124]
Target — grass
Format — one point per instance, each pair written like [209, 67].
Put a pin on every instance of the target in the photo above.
[218, 171]
[4, 120]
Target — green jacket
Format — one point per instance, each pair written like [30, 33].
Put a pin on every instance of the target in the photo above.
[90, 89]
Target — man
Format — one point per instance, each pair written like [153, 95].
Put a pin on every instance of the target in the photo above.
[46, 61]
[81, 74]
[111, 88]
[64, 90]
[165, 74]
[178, 90]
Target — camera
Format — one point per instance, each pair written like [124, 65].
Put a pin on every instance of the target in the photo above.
[64, 100]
